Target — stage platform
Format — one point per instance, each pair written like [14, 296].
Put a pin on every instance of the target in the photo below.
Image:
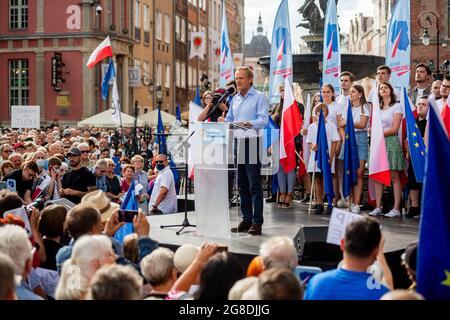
[294, 223]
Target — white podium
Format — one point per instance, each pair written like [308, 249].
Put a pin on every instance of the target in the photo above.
[212, 148]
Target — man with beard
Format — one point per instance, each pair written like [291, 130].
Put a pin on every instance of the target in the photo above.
[423, 88]
[78, 181]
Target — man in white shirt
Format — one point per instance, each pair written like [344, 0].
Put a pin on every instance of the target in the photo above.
[164, 195]
[346, 79]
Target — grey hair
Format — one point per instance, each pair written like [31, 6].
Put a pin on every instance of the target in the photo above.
[157, 267]
[15, 244]
[279, 252]
[7, 276]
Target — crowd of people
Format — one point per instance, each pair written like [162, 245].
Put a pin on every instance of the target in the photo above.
[53, 252]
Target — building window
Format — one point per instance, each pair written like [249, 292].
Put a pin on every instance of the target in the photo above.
[177, 74]
[167, 28]
[158, 33]
[168, 77]
[137, 20]
[145, 68]
[183, 30]
[146, 25]
[177, 28]
[110, 13]
[122, 15]
[158, 74]
[183, 75]
[19, 91]
[18, 14]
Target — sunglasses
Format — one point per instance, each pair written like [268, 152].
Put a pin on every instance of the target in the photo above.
[159, 161]
[84, 151]
[7, 151]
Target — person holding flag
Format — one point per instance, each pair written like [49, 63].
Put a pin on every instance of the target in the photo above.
[358, 111]
[322, 134]
[415, 151]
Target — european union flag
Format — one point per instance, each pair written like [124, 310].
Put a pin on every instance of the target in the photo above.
[271, 134]
[417, 149]
[160, 138]
[109, 74]
[433, 260]
[178, 112]
[129, 204]
[198, 98]
[351, 159]
[322, 158]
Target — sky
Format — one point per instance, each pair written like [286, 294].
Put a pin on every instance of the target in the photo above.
[268, 8]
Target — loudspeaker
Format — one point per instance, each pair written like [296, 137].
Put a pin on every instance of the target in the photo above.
[313, 249]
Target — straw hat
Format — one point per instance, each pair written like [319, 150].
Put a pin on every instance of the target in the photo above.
[100, 201]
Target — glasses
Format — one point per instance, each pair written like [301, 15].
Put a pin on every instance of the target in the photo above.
[159, 161]
[84, 151]
[7, 151]
[444, 86]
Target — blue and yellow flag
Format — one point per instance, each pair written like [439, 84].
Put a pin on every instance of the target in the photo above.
[160, 138]
[351, 159]
[433, 260]
[323, 157]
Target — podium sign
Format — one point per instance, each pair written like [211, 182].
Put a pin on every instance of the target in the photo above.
[212, 152]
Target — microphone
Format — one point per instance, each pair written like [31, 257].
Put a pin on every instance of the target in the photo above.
[229, 92]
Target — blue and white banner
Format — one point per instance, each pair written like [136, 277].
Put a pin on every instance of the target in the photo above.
[398, 45]
[331, 67]
[226, 59]
[280, 52]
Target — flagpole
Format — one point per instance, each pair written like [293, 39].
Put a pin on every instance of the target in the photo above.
[312, 188]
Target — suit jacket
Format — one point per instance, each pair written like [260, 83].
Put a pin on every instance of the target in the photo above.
[425, 93]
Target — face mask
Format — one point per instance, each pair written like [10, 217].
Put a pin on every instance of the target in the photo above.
[40, 163]
[123, 165]
[160, 166]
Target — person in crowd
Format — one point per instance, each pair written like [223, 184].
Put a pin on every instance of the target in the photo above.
[409, 261]
[391, 117]
[164, 196]
[401, 294]
[127, 179]
[51, 226]
[16, 159]
[131, 247]
[7, 278]
[159, 270]
[335, 117]
[5, 151]
[100, 174]
[250, 109]
[361, 246]
[39, 188]
[333, 139]
[245, 289]
[78, 181]
[361, 116]
[85, 160]
[423, 87]
[207, 104]
[115, 282]
[14, 243]
[113, 190]
[415, 187]
[141, 179]
[278, 252]
[30, 147]
[54, 170]
[23, 180]
[6, 167]
[89, 254]
[444, 92]
[346, 80]
[214, 288]
[383, 76]
[184, 256]
[19, 148]
[104, 154]
[279, 284]
[435, 94]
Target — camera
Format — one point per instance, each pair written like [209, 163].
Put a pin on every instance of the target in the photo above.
[98, 9]
[39, 204]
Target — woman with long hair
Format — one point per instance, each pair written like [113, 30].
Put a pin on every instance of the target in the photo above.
[361, 115]
[391, 118]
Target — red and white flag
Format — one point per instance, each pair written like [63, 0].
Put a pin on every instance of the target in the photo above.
[104, 50]
[378, 162]
[41, 187]
[291, 122]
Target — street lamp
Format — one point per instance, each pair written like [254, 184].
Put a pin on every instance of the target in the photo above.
[425, 23]
[159, 95]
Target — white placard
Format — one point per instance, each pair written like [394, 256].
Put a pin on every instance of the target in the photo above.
[338, 222]
[23, 117]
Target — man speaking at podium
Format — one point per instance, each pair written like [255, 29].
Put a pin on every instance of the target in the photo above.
[249, 112]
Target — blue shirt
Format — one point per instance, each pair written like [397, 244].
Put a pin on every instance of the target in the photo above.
[252, 107]
[101, 183]
[341, 284]
[24, 292]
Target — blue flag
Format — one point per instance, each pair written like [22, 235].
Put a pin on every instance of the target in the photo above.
[416, 145]
[433, 260]
[176, 174]
[320, 89]
[351, 159]
[129, 204]
[198, 98]
[322, 158]
[398, 45]
[271, 133]
[280, 52]
[109, 74]
[160, 138]
[331, 63]
[178, 112]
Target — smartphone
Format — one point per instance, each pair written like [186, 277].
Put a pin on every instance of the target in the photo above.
[222, 249]
[127, 215]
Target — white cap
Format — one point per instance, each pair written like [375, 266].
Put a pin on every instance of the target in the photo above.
[184, 256]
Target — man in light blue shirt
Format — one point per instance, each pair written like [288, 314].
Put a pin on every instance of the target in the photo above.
[249, 109]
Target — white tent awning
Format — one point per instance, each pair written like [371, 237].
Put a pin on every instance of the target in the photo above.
[104, 120]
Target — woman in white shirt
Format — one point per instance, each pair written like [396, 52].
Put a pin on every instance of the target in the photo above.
[391, 118]
[335, 117]
[361, 115]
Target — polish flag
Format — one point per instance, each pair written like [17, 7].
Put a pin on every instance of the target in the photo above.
[103, 51]
[41, 187]
[445, 115]
[378, 163]
[291, 122]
